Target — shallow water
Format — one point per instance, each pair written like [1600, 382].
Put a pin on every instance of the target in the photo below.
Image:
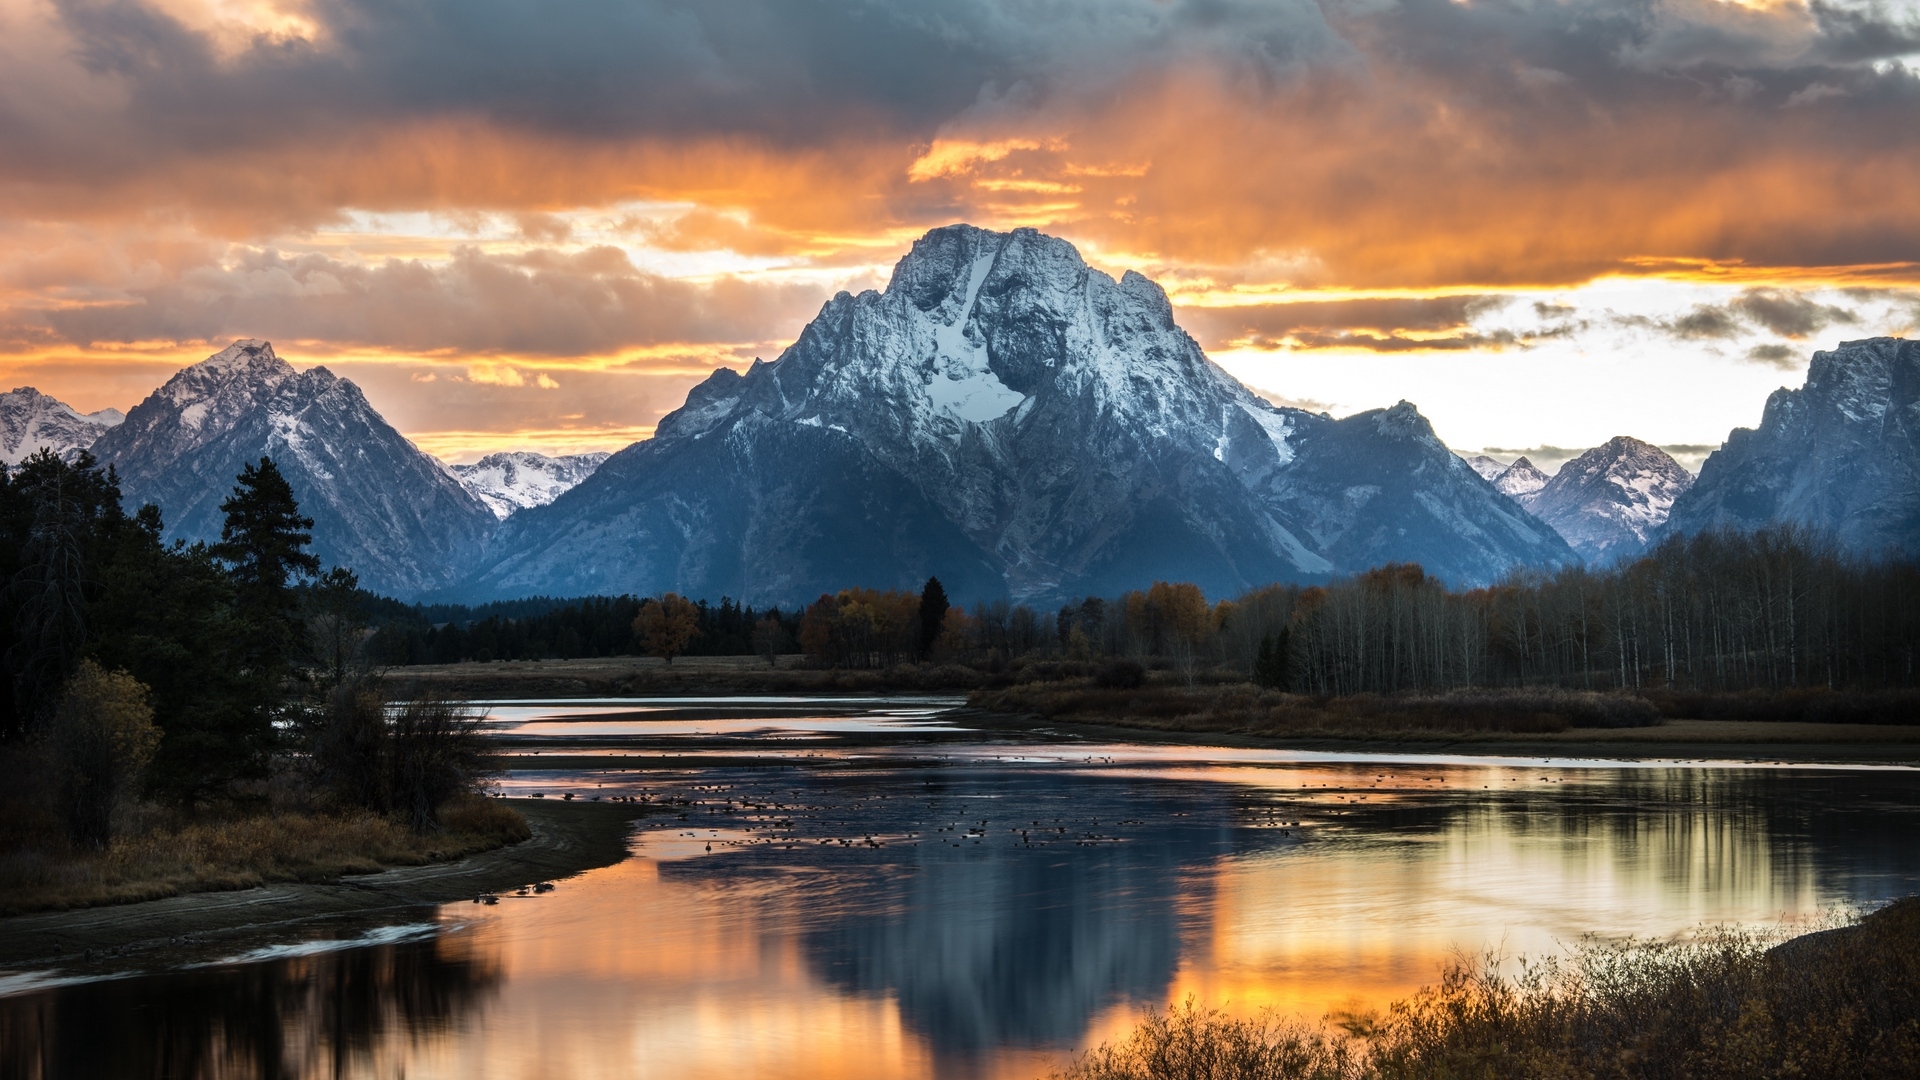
[852, 888]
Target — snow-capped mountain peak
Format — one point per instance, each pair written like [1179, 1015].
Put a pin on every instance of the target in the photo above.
[31, 421]
[1520, 481]
[380, 505]
[1489, 468]
[1609, 501]
[516, 479]
[1022, 424]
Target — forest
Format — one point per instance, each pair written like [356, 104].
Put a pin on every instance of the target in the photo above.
[1777, 609]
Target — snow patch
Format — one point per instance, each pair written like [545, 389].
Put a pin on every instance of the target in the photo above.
[961, 383]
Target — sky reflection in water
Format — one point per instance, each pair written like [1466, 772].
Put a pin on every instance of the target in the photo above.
[904, 897]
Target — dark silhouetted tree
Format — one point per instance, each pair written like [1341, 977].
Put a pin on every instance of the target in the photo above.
[933, 614]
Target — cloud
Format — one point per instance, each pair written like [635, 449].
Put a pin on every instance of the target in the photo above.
[1780, 356]
[1387, 324]
[1788, 313]
[1424, 143]
[540, 303]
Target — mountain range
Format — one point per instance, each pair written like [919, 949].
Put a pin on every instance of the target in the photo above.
[1003, 416]
[1020, 424]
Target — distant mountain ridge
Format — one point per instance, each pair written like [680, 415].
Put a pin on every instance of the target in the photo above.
[380, 505]
[1841, 453]
[1020, 424]
[516, 479]
[31, 421]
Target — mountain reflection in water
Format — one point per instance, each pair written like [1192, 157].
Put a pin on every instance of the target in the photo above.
[937, 902]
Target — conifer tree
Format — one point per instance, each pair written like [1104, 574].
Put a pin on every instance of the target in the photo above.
[264, 544]
[933, 614]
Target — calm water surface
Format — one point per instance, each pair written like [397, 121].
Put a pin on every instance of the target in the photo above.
[860, 888]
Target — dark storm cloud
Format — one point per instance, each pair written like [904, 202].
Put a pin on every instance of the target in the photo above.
[789, 72]
[538, 304]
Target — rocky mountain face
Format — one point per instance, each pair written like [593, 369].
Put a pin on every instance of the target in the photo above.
[380, 505]
[31, 421]
[1020, 424]
[1842, 453]
[1520, 481]
[517, 479]
[1610, 501]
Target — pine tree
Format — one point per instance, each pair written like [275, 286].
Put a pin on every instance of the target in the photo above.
[933, 614]
[264, 544]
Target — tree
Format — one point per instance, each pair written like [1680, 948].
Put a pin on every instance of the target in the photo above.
[58, 512]
[264, 544]
[770, 639]
[102, 737]
[933, 614]
[665, 626]
[336, 628]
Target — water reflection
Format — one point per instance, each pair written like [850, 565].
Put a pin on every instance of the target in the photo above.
[979, 908]
[336, 1013]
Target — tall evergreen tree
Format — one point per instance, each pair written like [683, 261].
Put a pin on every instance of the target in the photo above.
[264, 544]
[933, 613]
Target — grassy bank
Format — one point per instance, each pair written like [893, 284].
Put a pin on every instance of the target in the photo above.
[238, 849]
[1842, 1003]
[1249, 710]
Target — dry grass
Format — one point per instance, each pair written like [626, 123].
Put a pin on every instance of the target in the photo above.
[238, 850]
[1247, 709]
[1843, 1003]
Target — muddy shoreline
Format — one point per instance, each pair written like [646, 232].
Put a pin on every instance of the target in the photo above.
[568, 838]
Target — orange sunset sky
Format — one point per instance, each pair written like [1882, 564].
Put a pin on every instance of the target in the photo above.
[535, 224]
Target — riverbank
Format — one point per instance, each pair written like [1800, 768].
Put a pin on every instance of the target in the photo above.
[567, 838]
[1726, 1004]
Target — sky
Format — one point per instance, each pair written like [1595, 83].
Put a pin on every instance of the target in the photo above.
[535, 223]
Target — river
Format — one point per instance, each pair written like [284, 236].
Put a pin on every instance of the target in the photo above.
[878, 888]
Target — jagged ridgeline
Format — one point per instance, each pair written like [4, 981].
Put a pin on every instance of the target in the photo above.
[379, 504]
[1018, 423]
[1001, 416]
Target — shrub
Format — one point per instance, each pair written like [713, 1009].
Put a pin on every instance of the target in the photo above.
[101, 738]
[1121, 675]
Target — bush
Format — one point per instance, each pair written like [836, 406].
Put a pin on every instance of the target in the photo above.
[1121, 675]
[101, 738]
[407, 759]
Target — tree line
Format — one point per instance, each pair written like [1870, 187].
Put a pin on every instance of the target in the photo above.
[1783, 607]
[196, 673]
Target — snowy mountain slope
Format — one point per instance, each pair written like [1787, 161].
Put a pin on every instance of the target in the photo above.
[517, 479]
[1608, 502]
[1047, 431]
[1489, 468]
[380, 505]
[1842, 453]
[31, 421]
[1520, 481]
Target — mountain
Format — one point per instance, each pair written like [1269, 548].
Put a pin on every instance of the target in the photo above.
[1020, 424]
[31, 421]
[1842, 453]
[1609, 501]
[517, 479]
[1489, 468]
[1520, 481]
[380, 505]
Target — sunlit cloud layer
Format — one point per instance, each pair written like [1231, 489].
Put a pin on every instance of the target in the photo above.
[537, 224]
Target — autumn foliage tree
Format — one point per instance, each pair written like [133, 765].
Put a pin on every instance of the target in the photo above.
[667, 626]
